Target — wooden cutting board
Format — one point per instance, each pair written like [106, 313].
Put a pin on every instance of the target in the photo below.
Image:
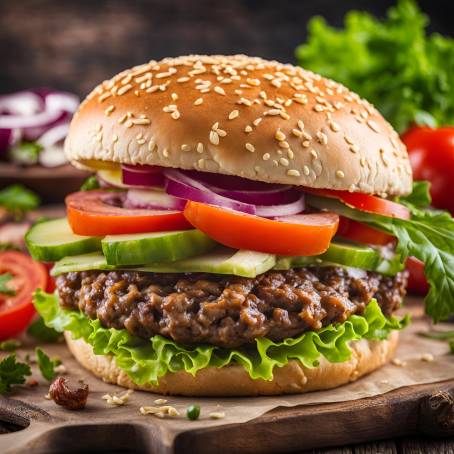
[31, 423]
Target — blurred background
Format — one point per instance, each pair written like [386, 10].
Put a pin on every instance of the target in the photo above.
[72, 45]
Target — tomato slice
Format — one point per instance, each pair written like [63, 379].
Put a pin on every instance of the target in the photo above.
[362, 233]
[17, 311]
[93, 213]
[365, 202]
[302, 234]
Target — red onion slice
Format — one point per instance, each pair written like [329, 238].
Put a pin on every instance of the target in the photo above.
[142, 176]
[276, 196]
[54, 135]
[21, 103]
[153, 199]
[185, 187]
[287, 209]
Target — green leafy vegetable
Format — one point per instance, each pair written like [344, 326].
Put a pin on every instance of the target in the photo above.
[17, 199]
[4, 279]
[90, 183]
[12, 372]
[428, 236]
[46, 365]
[26, 153]
[419, 197]
[40, 331]
[146, 361]
[9, 345]
[407, 74]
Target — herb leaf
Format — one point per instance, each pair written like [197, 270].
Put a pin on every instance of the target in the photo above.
[12, 373]
[9, 345]
[419, 197]
[90, 183]
[393, 63]
[4, 279]
[26, 153]
[40, 331]
[17, 199]
[46, 365]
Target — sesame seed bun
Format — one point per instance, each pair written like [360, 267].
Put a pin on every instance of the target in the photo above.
[294, 378]
[243, 116]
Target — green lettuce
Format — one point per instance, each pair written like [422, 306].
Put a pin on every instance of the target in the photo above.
[428, 236]
[393, 63]
[146, 361]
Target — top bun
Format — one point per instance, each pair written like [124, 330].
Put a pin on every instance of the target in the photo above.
[243, 116]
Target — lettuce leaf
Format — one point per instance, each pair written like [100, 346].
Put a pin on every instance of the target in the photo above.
[146, 361]
[393, 63]
[428, 236]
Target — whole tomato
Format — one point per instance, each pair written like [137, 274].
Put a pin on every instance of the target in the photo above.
[431, 154]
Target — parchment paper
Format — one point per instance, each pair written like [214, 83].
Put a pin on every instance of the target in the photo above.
[238, 410]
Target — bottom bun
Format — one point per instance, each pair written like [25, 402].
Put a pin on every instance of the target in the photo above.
[367, 355]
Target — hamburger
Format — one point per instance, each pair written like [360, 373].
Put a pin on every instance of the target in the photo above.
[245, 233]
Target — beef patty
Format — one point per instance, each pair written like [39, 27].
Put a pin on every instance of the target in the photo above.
[227, 311]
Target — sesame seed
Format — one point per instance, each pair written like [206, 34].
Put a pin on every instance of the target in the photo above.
[293, 173]
[141, 141]
[340, 174]
[273, 112]
[373, 125]
[305, 143]
[174, 96]
[250, 147]
[198, 101]
[175, 115]
[215, 126]
[284, 115]
[183, 79]
[280, 135]
[221, 132]
[300, 124]
[151, 144]
[199, 147]
[284, 162]
[297, 132]
[306, 170]
[185, 147]
[314, 153]
[141, 121]
[266, 156]
[354, 148]
[244, 101]
[129, 123]
[114, 138]
[348, 139]
[248, 129]
[322, 137]
[165, 153]
[290, 153]
[214, 138]
[226, 80]
[334, 126]
[253, 82]
[257, 121]
[104, 96]
[98, 127]
[262, 94]
[219, 90]
[362, 161]
[284, 144]
[233, 114]
[318, 108]
[124, 89]
[201, 163]
[152, 89]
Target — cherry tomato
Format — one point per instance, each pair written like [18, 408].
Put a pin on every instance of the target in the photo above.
[365, 202]
[431, 154]
[302, 234]
[94, 213]
[417, 282]
[16, 311]
[362, 233]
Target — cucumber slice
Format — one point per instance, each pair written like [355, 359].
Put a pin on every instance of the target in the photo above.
[50, 241]
[144, 248]
[220, 261]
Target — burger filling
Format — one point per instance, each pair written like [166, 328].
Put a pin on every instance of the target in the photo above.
[227, 311]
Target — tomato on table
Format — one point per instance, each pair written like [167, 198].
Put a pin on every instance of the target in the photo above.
[301, 234]
[94, 213]
[362, 233]
[365, 202]
[16, 310]
[417, 282]
[431, 153]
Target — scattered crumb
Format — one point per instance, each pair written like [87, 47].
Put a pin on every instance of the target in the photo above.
[428, 357]
[160, 412]
[398, 362]
[61, 370]
[160, 401]
[47, 396]
[217, 415]
[384, 382]
[117, 400]
[32, 383]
